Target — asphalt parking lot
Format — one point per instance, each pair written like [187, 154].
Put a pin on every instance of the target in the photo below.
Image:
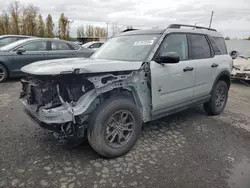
[188, 149]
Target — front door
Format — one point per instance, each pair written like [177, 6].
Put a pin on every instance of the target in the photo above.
[172, 84]
[34, 51]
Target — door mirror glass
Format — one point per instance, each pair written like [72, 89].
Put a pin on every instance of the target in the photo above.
[168, 57]
[20, 50]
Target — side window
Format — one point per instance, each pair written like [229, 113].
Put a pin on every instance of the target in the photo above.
[74, 46]
[96, 45]
[7, 40]
[175, 43]
[57, 45]
[200, 48]
[35, 46]
[216, 48]
[221, 43]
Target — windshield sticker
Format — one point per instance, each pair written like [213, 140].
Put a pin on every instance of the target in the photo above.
[144, 42]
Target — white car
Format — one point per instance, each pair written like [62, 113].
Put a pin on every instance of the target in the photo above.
[94, 45]
[241, 66]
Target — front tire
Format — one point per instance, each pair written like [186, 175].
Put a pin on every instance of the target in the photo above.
[114, 127]
[218, 99]
[3, 73]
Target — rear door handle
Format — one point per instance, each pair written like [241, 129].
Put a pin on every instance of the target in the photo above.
[214, 65]
[188, 69]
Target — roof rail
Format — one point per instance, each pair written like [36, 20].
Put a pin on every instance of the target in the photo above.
[178, 26]
[128, 30]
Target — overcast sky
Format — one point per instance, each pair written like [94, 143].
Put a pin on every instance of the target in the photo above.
[232, 18]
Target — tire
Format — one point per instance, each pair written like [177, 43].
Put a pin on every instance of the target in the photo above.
[3, 73]
[100, 122]
[214, 107]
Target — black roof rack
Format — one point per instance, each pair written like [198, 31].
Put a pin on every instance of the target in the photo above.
[178, 26]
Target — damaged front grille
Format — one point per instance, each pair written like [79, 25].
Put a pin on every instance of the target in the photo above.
[40, 94]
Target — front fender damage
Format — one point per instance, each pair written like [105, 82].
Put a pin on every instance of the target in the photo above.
[135, 82]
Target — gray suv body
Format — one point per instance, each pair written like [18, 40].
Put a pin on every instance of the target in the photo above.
[135, 77]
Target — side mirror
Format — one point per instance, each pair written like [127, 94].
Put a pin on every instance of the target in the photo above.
[169, 57]
[20, 50]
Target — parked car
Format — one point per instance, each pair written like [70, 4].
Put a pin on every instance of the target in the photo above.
[241, 66]
[20, 53]
[136, 77]
[7, 39]
[93, 45]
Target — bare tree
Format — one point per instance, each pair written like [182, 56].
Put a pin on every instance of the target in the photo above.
[41, 26]
[80, 31]
[30, 20]
[14, 9]
[100, 32]
[64, 25]
[90, 31]
[4, 23]
[49, 28]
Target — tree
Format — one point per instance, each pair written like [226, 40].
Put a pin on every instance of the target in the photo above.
[49, 27]
[227, 38]
[100, 32]
[30, 20]
[64, 25]
[14, 9]
[4, 23]
[80, 31]
[90, 31]
[40, 26]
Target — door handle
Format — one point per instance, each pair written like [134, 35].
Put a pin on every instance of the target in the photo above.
[188, 69]
[214, 65]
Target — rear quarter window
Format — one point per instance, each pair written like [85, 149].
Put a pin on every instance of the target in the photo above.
[221, 43]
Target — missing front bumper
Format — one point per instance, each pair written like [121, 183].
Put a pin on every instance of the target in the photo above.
[49, 116]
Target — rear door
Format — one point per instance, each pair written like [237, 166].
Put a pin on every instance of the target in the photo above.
[172, 84]
[34, 51]
[205, 63]
[59, 49]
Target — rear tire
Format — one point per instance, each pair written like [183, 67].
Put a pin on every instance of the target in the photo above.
[3, 73]
[114, 127]
[218, 99]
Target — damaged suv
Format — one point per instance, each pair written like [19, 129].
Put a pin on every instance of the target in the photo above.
[135, 77]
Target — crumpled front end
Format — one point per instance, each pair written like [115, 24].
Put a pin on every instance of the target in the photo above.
[241, 72]
[53, 99]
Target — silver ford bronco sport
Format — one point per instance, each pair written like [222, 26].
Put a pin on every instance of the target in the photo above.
[135, 77]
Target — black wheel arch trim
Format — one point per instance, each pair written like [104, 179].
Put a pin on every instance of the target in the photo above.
[222, 74]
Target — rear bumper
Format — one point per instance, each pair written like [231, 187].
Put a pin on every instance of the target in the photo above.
[55, 115]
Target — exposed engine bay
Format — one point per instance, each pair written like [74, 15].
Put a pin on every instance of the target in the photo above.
[63, 103]
[52, 91]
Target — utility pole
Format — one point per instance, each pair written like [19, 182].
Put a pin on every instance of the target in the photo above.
[211, 19]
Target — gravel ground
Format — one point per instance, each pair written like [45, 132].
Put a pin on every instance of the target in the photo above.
[189, 149]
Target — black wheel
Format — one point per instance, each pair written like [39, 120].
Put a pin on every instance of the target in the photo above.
[218, 99]
[114, 127]
[3, 73]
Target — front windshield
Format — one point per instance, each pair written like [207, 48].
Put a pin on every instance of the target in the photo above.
[12, 45]
[127, 48]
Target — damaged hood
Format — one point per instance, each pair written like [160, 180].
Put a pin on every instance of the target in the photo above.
[69, 65]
